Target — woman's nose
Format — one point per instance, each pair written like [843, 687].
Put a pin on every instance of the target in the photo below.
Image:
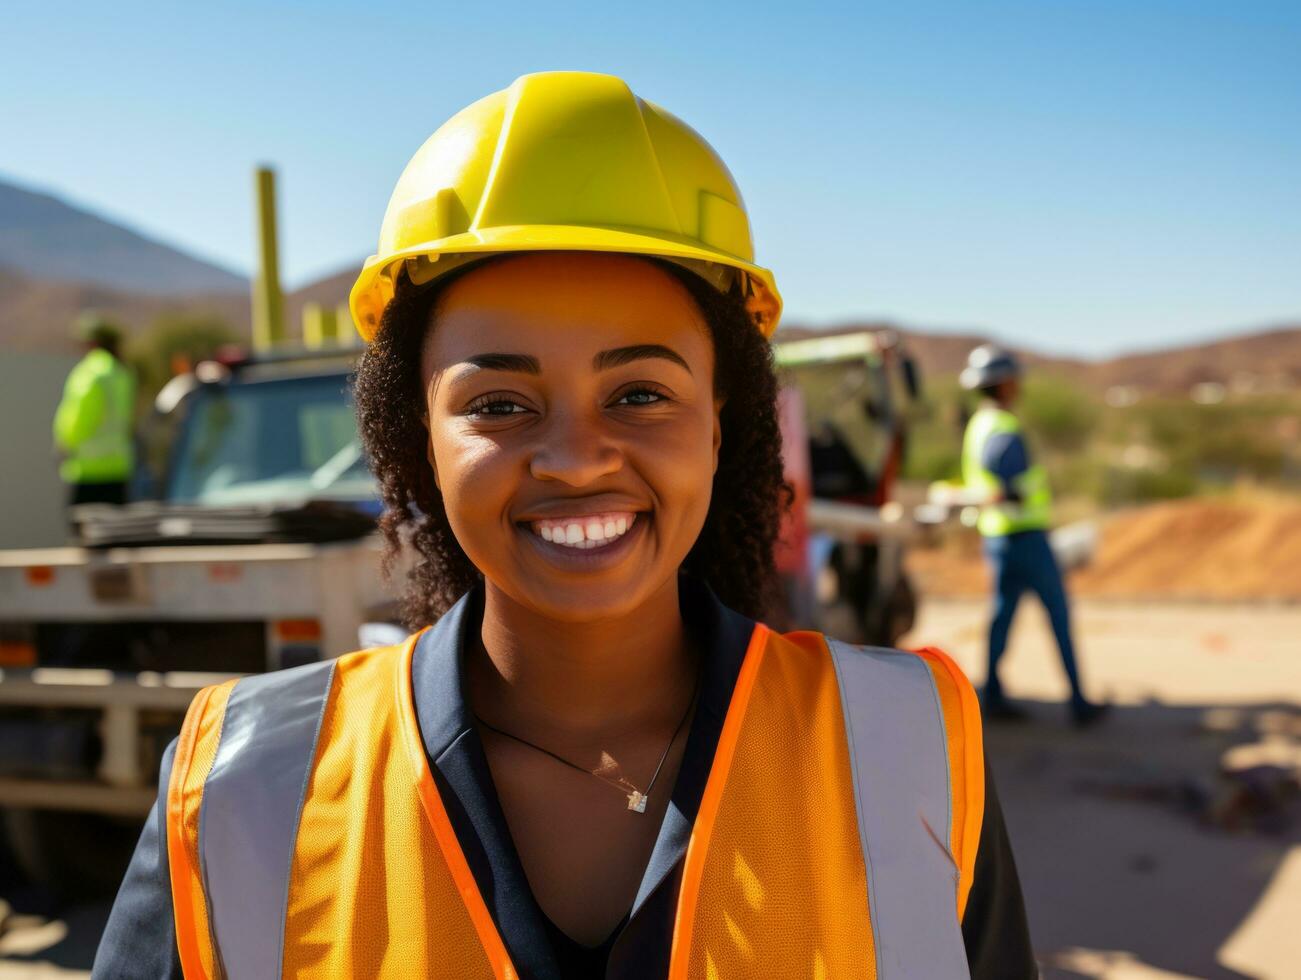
[575, 451]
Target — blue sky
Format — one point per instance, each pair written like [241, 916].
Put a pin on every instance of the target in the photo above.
[1085, 177]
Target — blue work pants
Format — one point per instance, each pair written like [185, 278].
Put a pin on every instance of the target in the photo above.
[1019, 562]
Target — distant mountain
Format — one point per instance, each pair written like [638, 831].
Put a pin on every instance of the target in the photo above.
[329, 292]
[1267, 359]
[38, 315]
[45, 238]
[56, 260]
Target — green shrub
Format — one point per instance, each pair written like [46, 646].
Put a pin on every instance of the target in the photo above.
[1159, 448]
[1118, 485]
[1060, 414]
[173, 342]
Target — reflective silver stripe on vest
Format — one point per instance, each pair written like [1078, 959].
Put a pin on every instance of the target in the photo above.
[900, 757]
[252, 801]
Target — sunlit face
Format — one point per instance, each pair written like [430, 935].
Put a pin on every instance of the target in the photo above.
[573, 428]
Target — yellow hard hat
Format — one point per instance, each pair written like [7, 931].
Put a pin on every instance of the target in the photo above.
[564, 161]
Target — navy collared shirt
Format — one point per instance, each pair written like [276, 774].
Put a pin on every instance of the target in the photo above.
[140, 940]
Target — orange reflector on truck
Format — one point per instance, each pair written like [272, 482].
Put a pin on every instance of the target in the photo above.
[39, 575]
[17, 655]
[225, 571]
[297, 630]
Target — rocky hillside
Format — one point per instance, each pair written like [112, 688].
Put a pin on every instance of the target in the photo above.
[37, 315]
[1267, 359]
[57, 259]
[46, 238]
[1271, 357]
[329, 292]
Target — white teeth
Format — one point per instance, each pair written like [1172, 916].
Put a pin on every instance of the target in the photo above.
[584, 533]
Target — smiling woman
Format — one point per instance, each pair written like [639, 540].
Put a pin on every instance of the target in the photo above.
[592, 759]
[596, 326]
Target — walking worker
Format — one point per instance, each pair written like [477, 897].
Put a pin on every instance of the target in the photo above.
[596, 762]
[93, 424]
[1014, 520]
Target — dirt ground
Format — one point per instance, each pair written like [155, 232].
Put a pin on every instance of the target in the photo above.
[1138, 859]
[1224, 550]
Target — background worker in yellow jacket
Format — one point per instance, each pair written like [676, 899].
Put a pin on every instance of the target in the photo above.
[93, 424]
[1015, 516]
[596, 763]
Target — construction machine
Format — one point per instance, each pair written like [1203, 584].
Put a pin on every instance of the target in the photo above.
[844, 415]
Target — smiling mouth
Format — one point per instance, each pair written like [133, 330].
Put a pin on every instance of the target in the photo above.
[586, 532]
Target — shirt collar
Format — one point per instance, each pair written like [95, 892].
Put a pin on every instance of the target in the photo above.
[461, 772]
[437, 672]
[437, 675]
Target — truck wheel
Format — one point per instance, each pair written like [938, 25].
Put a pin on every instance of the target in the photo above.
[73, 855]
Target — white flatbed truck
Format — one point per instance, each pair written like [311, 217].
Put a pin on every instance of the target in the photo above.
[260, 555]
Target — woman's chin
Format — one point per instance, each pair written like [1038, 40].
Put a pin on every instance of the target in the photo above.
[594, 602]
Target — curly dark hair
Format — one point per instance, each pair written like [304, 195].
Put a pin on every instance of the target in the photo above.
[734, 553]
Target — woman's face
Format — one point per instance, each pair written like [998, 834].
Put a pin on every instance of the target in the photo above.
[573, 428]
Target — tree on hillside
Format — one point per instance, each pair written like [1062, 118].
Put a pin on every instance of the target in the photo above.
[175, 343]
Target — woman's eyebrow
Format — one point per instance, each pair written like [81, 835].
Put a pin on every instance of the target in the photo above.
[519, 363]
[624, 355]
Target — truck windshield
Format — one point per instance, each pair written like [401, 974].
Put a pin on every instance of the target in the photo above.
[282, 439]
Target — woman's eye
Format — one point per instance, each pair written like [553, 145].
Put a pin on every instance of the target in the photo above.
[495, 408]
[640, 396]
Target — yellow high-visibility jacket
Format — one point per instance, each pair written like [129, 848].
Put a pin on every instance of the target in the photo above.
[1033, 512]
[92, 426]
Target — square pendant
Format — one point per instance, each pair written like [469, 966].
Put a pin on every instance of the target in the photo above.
[637, 801]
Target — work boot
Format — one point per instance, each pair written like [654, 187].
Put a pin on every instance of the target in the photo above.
[1085, 714]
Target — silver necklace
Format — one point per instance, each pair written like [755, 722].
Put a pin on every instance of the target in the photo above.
[637, 800]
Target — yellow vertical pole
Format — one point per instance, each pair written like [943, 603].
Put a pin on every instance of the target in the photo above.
[348, 336]
[313, 328]
[320, 326]
[268, 304]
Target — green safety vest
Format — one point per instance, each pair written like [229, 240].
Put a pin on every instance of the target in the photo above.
[1034, 511]
[93, 423]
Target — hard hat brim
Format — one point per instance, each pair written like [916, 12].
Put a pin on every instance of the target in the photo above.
[375, 285]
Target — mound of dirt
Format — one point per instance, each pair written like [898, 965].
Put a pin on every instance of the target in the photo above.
[1186, 549]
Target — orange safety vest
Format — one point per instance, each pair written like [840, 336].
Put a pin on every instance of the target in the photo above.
[836, 836]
